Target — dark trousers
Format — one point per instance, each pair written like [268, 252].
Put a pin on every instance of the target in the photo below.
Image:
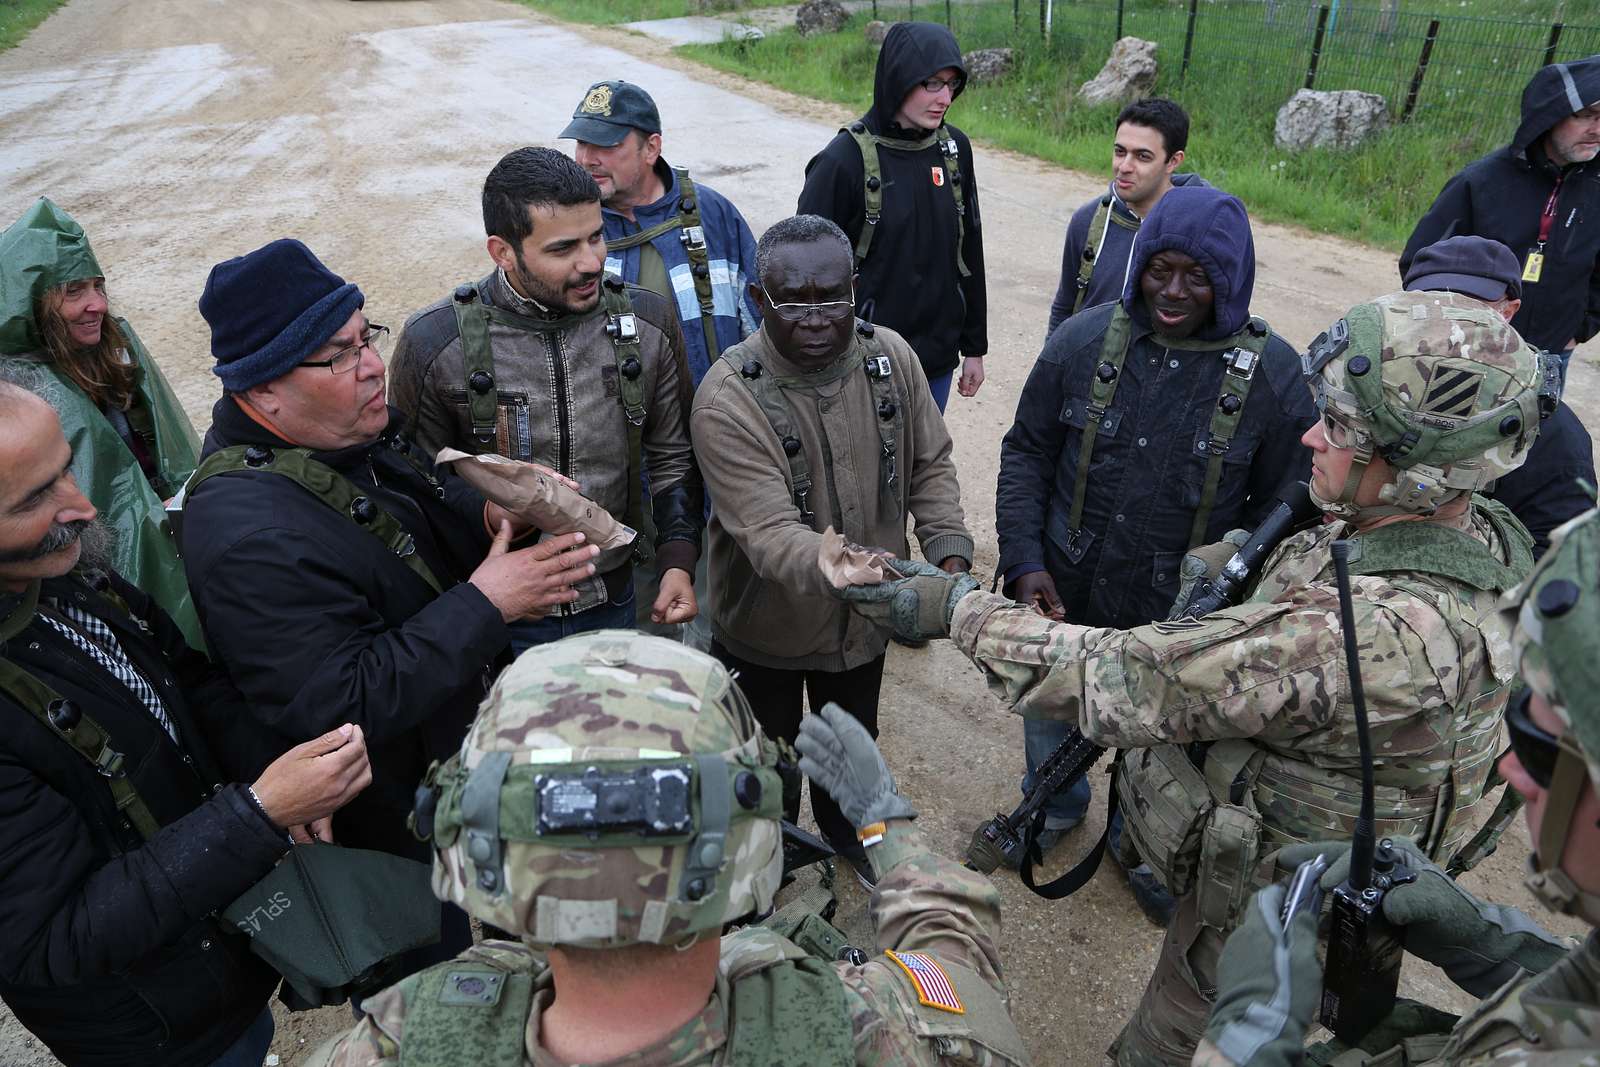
[775, 694]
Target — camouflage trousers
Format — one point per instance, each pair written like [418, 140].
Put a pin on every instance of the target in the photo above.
[1171, 1017]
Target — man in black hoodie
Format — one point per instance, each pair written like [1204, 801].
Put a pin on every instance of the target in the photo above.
[899, 181]
[1540, 196]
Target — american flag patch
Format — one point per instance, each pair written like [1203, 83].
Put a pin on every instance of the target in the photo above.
[933, 986]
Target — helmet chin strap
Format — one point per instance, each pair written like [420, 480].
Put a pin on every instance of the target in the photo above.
[1344, 505]
[1546, 880]
[1421, 487]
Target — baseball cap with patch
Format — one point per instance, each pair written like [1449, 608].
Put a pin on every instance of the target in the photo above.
[609, 110]
[1476, 266]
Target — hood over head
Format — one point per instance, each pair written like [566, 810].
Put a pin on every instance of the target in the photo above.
[1553, 93]
[1212, 228]
[912, 52]
[43, 249]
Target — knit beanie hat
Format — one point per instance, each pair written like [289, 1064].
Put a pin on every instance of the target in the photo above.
[270, 310]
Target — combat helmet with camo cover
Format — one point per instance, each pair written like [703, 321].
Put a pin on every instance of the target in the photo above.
[614, 789]
[1557, 647]
[1438, 385]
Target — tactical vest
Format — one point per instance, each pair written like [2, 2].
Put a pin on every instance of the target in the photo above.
[872, 172]
[768, 389]
[70, 723]
[1211, 824]
[1241, 358]
[330, 487]
[788, 1013]
[477, 357]
[693, 236]
[1103, 217]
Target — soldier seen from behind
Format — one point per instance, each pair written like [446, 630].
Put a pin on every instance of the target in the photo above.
[1424, 398]
[899, 181]
[1540, 996]
[121, 841]
[1147, 427]
[1147, 148]
[616, 806]
[546, 359]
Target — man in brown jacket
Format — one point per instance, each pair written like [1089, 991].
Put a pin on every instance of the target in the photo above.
[547, 360]
[815, 420]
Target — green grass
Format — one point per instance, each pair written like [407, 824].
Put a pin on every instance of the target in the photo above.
[1243, 67]
[19, 17]
[609, 12]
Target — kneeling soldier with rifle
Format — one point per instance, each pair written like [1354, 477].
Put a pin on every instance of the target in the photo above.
[1240, 724]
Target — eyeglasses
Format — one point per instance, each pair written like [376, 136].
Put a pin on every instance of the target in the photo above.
[375, 337]
[1340, 434]
[955, 85]
[831, 311]
[1535, 748]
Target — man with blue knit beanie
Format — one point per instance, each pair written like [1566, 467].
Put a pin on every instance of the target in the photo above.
[338, 578]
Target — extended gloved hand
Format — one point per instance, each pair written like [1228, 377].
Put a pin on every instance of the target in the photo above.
[837, 753]
[1480, 945]
[917, 607]
[1203, 563]
[1268, 985]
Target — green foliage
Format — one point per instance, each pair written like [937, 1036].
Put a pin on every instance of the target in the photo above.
[1247, 58]
[19, 17]
[610, 12]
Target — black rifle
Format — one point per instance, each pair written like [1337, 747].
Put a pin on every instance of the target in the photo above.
[1013, 836]
[1362, 972]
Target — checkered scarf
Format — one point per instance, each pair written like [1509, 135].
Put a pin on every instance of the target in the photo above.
[96, 641]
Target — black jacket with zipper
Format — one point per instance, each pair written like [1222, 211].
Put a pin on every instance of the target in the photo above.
[110, 952]
[1503, 196]
[319, 624]
[910, 281]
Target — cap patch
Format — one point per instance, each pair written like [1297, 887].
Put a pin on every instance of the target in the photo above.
[598, 102]
[933, 985]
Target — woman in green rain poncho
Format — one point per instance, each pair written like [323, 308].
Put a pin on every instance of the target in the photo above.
[132, 445]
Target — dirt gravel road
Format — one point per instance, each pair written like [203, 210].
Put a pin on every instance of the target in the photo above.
[182, 132]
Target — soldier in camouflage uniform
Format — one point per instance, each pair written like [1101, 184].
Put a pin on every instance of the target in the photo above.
[1541, 1002]
[617, 806]
[1423, 399]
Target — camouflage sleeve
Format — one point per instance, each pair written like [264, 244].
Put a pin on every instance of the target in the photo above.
[364, 1045]
[927, 903]
[1272, 670]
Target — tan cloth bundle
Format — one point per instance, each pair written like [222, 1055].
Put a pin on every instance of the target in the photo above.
[536, 496]
[845, 564]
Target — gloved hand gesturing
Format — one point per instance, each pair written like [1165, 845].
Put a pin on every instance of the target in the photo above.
[837, 753]
[1480, 945]
[1268, 986]
[917, 607]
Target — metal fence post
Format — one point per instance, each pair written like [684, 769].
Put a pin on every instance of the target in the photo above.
[947, 21]
[874, 10]
[1422, 68]
[1550, 45]
[1316, 46]
[1119, 20]
[1043, 33]
[1016, 13]
[1188, 37]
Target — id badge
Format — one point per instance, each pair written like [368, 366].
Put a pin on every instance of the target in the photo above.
[1534, 267]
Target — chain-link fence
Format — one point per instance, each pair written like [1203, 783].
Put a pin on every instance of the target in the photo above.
[1460, 75]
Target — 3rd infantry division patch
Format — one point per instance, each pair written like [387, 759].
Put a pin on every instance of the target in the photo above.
[933, 985]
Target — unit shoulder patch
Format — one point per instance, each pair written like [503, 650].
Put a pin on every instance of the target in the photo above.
[938, 174]
[931, 981]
